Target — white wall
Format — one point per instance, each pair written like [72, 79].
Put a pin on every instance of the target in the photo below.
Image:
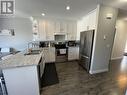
[23, 32]
[102, 48]
[120, 39]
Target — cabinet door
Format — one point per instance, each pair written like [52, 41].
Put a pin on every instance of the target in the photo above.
[79, 29]
[22, 80]
[63, 27]
[50, 31]
[86, 23]
[52, 54]
[57, 27]
[47, 55]
[72, 31]
[71, 53]
[41, 32]
[92, 20]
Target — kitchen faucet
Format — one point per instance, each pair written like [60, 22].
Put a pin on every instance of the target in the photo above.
[33, 45]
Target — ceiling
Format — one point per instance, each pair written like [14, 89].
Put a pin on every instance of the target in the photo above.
[56, 8]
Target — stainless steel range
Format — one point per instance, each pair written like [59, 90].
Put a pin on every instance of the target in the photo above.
[61, 52]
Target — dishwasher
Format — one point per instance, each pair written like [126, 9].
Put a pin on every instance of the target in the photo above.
[3, 90]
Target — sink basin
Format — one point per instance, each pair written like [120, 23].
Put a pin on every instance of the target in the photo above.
[33, 52]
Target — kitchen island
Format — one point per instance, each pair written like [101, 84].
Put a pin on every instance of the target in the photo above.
[22, 73]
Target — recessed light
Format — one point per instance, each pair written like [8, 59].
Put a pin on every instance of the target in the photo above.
[31, 18]
[68, 8]
[43, 14]
[125, 19]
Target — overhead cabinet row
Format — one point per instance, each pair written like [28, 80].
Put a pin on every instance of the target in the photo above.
[47, 30]
[88, 22]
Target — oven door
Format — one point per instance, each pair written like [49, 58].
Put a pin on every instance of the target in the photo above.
[61, 55]
[61, 52]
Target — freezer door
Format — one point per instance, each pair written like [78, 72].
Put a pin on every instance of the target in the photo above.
[84, 61]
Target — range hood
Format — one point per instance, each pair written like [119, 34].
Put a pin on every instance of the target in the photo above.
[60, 33]
[60, 37]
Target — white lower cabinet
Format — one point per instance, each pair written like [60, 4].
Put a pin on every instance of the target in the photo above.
[22, 80]
[52, 54]
[73, 53]
[49, 53]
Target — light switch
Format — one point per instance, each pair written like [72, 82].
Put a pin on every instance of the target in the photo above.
[105, 37]
[108, 46]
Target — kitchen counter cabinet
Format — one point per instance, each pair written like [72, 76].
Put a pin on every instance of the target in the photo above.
[73, 53]
[22, 80]
[49, 53]
[22, 73]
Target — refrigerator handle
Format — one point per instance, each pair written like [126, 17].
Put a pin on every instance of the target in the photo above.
[85, 56]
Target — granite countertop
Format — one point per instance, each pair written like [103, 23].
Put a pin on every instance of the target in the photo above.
[21, 60]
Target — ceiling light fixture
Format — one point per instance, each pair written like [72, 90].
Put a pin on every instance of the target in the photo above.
[68, 8]
[123, 0]
[31, 18]
[43, 14]
[125, 19]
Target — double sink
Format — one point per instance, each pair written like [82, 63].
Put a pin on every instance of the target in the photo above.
[33, 52]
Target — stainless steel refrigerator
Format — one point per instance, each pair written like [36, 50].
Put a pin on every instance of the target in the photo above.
[86, 47]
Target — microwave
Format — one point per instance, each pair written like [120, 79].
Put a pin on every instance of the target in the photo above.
[71, 43]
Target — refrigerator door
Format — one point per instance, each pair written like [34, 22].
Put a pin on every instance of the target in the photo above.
[86, 44]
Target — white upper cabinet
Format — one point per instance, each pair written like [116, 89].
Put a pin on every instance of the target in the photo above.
[57, 27]
[46, 30]
[92, 20]
[42, 32]
[63, 27]
[50, 31]
[88, 22]
[60, 27]
[49, 28]
[71, 31]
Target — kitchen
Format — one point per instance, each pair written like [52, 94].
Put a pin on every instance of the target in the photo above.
[44, 41]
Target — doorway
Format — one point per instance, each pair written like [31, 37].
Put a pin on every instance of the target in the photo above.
[125, 51]
[120, 41]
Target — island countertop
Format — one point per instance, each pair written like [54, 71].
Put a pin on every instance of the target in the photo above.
[21, 60]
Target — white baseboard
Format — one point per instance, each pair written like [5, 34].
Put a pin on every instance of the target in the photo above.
[116, 58]
[98, 71]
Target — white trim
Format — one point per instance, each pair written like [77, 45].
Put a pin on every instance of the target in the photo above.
[116, 58]
[95, 36]
[98, 71]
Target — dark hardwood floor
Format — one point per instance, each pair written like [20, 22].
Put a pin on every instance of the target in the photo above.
[74, 80]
